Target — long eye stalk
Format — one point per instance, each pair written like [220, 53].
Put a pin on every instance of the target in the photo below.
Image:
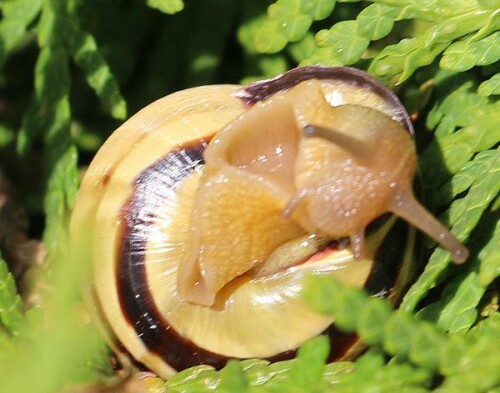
[362, 150]
[406, 206]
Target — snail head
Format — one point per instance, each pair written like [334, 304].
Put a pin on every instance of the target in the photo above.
[291, 165]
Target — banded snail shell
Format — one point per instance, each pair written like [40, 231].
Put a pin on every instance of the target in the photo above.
[196, 264]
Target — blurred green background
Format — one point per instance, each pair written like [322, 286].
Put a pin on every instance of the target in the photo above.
[74, 70]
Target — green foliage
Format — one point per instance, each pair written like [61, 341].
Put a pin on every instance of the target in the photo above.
[306, 373]
[408, 354]
[11, 315]
[167, 6]
[57, 346]
[464, 215]
[465, 33]
[86, 54]
[401, 60]
[463, 55]
[454, 356]
[17, 16]
[288, 21]
[490, 86]
[70, 69]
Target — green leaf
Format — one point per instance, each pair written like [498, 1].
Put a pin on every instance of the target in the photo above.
[268, 37]
[409, 337]
[449, 113]
[401, 60]
[62, 187]
[302, 49]
[463, 180]
[56, 25]
[11, 314]
[324, 56]
[246, 33]
[42, 349]
[62, 177]
[371, 322]
[317, 9]
[14, 24]
[232, 378]
[31, 126]
[334, 371]
[345, 41]
[376, 21]
[431, 10]
[452, 352]
[52, 78]
[272, 65]
[476, 369]
[167, 6]
[464, 215]
[86, 54]
[490, 87]
[6, 135]
[51, 86]
[186, 377]
[257, 371]
[463, 55]
[490, 5]
[448, 154]
[465, 212]
[489, 258]
[307, 369]
[398, 331]
[293, 25]
[330, 297]
[460, 312]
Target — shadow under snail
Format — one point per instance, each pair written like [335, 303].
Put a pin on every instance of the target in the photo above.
[203, 212]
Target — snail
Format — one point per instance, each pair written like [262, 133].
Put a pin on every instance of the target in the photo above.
[203, 212]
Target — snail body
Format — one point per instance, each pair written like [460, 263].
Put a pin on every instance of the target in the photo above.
[203, 212]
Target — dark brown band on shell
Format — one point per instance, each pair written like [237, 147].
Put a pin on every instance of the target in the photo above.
[152, 189]
[261, 90]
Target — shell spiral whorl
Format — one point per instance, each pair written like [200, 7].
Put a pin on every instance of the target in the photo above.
[202, 213]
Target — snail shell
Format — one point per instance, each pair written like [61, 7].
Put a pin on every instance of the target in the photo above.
[203, 212]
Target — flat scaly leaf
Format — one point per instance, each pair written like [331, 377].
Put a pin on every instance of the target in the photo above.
[302, 49]
[463, 55]
[317, 9]
[459, 313]
[489, 258]
[167, 6]
[404, 58]
[490, 87]
[233, 378]
[407, 337]
[11, 315]
[87, 55]
[16, 18]
[268, 37]
[307, 369]
[292, 22]
[376, 21]
[345, 41]
[464, 214]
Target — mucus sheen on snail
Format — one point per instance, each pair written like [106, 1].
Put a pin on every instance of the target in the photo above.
[203, 212]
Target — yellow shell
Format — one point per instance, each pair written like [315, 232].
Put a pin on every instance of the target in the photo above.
[191, 263]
